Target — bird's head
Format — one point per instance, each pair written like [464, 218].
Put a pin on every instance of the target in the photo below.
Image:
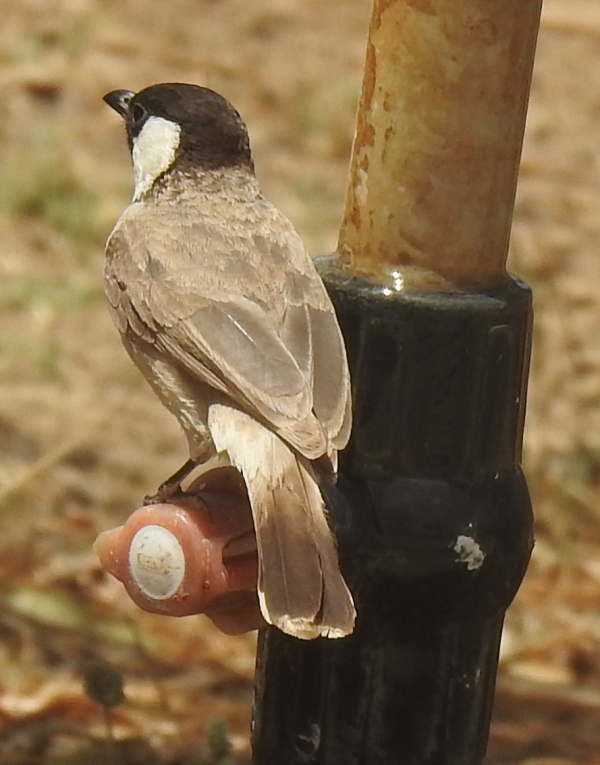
[175, 126]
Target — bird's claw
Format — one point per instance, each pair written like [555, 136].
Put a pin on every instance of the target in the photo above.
[165, 494]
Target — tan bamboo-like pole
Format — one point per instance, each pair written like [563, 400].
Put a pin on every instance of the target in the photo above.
[438, 142]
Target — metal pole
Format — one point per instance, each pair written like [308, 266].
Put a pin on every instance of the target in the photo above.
[431, 510]
[438, 141]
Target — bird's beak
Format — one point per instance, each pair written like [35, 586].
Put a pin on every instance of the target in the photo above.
[119, 100]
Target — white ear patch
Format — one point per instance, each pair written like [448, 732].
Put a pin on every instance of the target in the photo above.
[154, 150]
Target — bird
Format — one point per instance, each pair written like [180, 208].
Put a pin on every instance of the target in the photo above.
[220, 306]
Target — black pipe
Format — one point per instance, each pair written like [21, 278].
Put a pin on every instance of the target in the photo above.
[434, 527]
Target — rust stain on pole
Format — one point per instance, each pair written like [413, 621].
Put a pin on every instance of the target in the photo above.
[438, 141]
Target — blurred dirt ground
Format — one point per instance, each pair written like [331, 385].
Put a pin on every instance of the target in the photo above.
[82, 439]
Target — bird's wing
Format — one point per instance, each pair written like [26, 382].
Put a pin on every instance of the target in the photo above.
[314, 338]
[311, 332]
[269, 340]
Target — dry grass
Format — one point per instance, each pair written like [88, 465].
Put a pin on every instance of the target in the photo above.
[80, 436]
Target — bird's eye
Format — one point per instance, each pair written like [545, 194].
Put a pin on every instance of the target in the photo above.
[137, 113]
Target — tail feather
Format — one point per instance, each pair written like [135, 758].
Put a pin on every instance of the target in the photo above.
[337, 606]
[301, 590]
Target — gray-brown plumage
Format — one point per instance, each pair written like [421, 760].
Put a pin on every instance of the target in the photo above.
[220, 306]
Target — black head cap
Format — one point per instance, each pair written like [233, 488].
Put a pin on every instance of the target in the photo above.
[213, 135]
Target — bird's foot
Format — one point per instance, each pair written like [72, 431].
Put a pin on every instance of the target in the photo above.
[171, 488]
[165, 494]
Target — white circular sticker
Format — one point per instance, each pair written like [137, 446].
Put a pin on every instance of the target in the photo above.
[157, 562]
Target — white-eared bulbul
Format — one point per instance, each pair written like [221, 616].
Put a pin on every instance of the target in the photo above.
[221, 307]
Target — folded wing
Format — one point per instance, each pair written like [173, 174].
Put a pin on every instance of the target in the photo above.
[268, 340]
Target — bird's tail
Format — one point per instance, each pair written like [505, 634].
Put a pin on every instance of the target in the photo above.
[300, 588]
